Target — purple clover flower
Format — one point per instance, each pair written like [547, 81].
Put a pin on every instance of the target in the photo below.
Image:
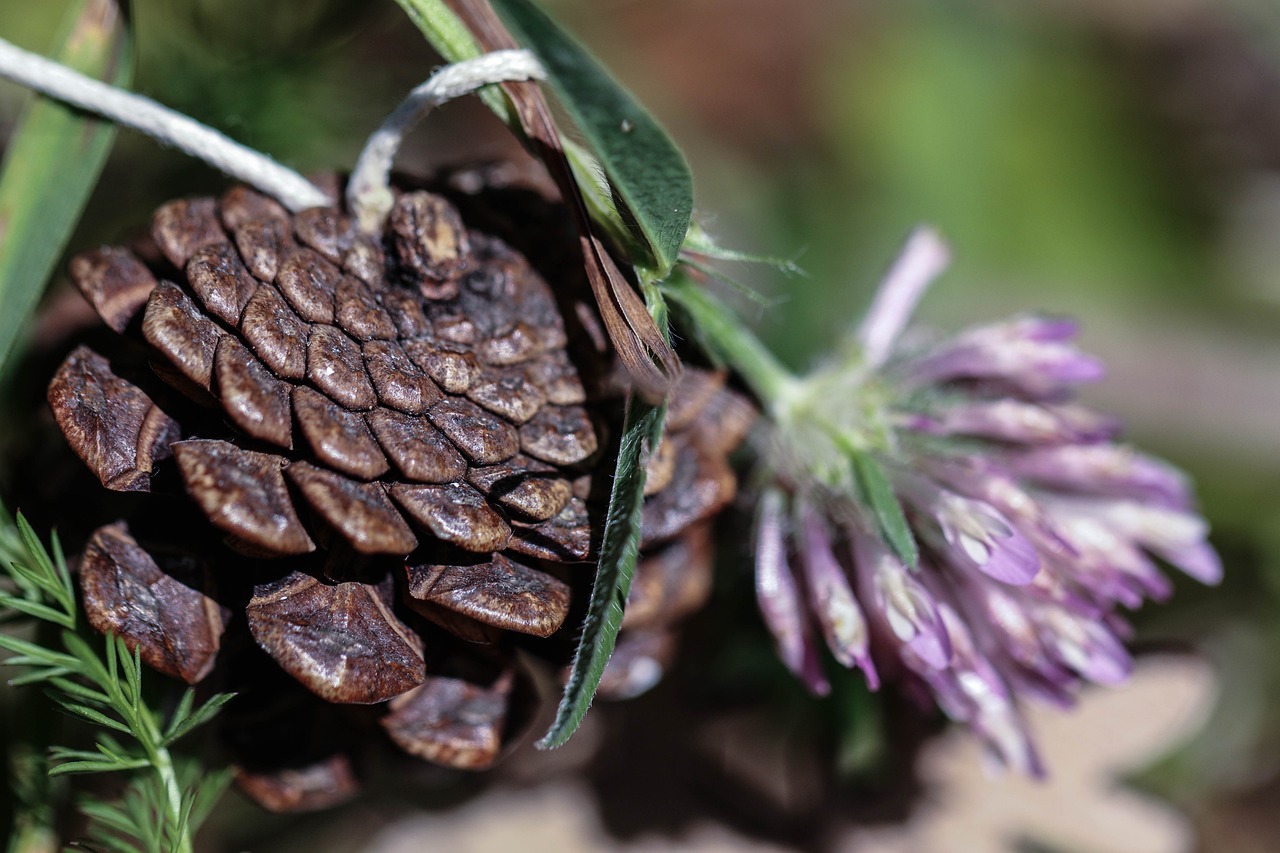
[1026, 526]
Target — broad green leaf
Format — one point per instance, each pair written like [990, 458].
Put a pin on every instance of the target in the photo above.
[878, 494]
[618, 554]
[644, 167]
[51, 164]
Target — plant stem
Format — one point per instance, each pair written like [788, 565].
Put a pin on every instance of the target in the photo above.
[163, 763]
[720, 327]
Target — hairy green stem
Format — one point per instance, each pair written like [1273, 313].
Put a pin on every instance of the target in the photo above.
[723, 330]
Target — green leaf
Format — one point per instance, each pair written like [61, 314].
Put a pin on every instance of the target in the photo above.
[98, 766]
[203, 714]
[88, 694]
[108, 815]
[36, 610]
[699, 242]
[180, 713]
[51, 164]
[90, 665]
[645, 168]
[878, 494]
[618, 554]
[30, 654]
[44, 568]
[209, 787]
[90, 714]
[38, 675]
[82, 690]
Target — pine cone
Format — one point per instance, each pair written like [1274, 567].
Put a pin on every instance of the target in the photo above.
[397, 439]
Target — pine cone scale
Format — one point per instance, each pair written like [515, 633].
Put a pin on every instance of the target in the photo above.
[361, 512]
[113, 425]
[274, 332]
[243, 493]
[338, 437]
[340, 640]
[255, 400]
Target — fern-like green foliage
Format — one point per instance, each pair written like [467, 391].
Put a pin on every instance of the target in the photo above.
[166, 799]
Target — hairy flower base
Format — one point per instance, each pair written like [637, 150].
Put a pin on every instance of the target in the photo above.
[1028, 524]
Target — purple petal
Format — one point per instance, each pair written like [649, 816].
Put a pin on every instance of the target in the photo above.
[923, 259]
[1011, 625]
[978, 535]
[907, 608]
[1198, 560]
[984, 481]
[779, 597]
[1086, 645]
[1017, 421]
[973, 691]
[832, 598]
[1103, 469]
[1175, 535]
[1029, 353]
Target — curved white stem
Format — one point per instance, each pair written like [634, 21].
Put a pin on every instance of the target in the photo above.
[161, 123]
[368, 191]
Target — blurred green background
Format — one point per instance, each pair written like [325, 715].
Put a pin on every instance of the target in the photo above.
[1114, 160]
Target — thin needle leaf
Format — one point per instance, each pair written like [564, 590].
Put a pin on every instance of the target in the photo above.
[51, 164]
[618, 554]
[645, 168]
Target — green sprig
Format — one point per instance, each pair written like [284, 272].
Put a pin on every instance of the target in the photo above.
[106, 689]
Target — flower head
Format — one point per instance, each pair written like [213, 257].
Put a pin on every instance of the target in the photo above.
[945, 513]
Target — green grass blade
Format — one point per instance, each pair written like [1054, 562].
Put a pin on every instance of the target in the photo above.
[618, 554]
[645, 168]
[51, 164]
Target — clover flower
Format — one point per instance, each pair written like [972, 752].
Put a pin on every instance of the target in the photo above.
[942, 512]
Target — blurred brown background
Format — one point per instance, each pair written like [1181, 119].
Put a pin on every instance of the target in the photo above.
[1115, 160]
